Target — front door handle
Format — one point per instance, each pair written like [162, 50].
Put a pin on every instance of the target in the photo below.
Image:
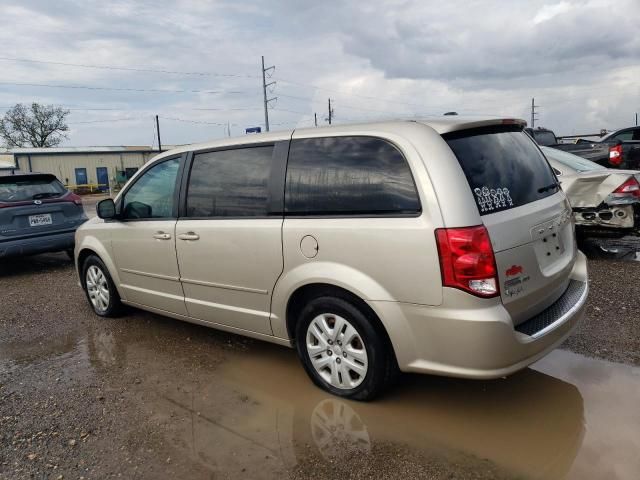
[162, 236]
[189, 236]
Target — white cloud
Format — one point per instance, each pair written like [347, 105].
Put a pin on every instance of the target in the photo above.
[547, 12]
[375, 59]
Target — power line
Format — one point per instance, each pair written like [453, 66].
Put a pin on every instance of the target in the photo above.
[107, 120]
[351, 94]
[290, 111]
[150, 90]
[129, 69]
[177, 119]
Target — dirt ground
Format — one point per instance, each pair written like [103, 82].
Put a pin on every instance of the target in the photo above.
[144, 396]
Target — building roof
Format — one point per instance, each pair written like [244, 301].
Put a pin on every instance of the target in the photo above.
[97, 149]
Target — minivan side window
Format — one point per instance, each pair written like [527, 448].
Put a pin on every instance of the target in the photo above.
[230, 183]
[354, 175]
[152, 195]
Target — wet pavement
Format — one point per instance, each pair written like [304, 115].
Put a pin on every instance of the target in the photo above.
[148, 397]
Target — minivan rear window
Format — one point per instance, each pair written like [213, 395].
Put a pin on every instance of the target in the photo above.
[503, 166]
[20, 188]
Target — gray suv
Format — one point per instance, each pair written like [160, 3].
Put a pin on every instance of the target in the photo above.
[37, 214]
[444, 247]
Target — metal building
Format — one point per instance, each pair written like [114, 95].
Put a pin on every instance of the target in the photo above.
[85, 168]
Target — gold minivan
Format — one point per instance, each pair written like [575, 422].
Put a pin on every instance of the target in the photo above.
[443, 247]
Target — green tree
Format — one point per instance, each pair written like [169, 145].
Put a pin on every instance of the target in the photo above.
[35, 126]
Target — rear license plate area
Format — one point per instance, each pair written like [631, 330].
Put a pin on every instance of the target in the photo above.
[40, 219]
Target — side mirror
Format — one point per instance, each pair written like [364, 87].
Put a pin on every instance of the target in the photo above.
[106, 209]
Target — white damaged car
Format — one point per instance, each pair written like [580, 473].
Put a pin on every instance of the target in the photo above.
[605, 202]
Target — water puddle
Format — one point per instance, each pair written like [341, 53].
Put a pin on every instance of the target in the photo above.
[567, 416]
[255, 410]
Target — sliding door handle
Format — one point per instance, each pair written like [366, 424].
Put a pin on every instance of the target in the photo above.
[189, 236]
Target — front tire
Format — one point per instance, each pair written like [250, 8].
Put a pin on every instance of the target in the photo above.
[342, 351]
[99, 288]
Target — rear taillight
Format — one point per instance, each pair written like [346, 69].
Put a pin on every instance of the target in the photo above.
[467, 261]
[630, 188]
[615, 155]
[72, 197]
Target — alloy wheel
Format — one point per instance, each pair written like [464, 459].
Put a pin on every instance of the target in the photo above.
[97, 288]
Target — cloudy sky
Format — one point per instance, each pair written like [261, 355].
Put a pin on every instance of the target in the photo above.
[197, 63]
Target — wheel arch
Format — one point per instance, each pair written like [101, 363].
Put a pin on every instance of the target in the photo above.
[305, 293]
[95, 248]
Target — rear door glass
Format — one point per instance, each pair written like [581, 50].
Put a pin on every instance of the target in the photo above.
[503, 166]
[350, 175]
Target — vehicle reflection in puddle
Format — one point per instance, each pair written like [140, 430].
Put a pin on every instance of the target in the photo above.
[253, 409]
[259, 410]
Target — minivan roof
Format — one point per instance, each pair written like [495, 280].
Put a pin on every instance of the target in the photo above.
[441, 125]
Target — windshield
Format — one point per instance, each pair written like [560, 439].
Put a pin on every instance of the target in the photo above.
[570, 160]
[22, 188]
[503, 166]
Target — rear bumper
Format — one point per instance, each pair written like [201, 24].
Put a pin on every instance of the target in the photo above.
[475, 338]
[30, 246]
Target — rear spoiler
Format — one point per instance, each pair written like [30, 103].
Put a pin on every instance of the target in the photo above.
[26, 176]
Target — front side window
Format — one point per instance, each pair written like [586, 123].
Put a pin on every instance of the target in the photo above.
[152, 196]
[348, 176]
[230, 183]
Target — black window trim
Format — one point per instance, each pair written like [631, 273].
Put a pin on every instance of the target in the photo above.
[340, 215]
[140, 174]
[275, 185]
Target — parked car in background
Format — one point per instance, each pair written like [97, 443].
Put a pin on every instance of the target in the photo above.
[605, 202]
[624, 148]
[442, 247]
[37, 214]
[593, 151]
[619, 149]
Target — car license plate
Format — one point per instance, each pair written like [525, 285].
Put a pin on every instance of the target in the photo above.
[42, 219]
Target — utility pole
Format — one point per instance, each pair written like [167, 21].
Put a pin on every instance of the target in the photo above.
[264, 92]
[228, 129]
[636, 119]
[330, 112]
[533, 112]
[315, 118]
[158, 132]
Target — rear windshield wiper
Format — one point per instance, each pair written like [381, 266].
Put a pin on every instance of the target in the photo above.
[45, 195]
[548, 187]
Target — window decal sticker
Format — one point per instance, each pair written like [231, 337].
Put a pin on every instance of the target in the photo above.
[492, 199]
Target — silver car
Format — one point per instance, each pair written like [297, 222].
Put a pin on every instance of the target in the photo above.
[443, 247]
[605, 201]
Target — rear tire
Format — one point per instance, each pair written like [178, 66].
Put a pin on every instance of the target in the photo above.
[99, 288]
[342, 351]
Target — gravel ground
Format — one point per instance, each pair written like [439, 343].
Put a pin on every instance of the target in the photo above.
[611, 327]
[148, 397]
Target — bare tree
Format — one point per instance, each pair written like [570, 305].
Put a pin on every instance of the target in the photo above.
[38, 126]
